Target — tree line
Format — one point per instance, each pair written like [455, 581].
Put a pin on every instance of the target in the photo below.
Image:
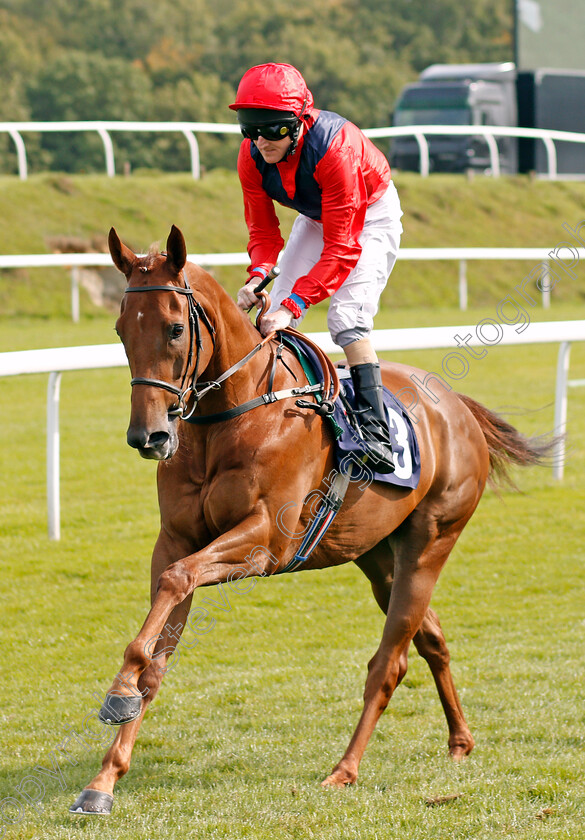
[182, 59]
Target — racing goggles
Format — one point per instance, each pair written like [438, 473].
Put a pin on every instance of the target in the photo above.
[271, 131]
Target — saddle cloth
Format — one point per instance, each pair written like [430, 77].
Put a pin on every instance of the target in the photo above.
[402, 436]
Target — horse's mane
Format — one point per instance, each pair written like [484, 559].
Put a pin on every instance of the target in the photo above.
[152, 253]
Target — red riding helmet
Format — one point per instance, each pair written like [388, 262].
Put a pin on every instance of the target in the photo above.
[276, 87]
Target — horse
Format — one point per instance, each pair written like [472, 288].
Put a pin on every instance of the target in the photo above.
[237, 484]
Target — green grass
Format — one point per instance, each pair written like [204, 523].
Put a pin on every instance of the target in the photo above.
[252, 719]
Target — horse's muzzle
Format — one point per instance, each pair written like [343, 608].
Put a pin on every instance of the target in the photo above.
[156, 446]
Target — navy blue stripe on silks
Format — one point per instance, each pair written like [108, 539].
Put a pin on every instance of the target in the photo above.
[316, 142]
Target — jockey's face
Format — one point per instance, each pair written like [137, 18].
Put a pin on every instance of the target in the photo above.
[272, 151]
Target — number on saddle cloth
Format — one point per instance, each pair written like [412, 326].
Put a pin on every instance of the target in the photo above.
[402, 437]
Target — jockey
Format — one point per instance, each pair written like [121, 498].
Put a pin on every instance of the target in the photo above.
[343, 244]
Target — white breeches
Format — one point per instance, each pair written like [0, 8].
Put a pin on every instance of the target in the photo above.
[353, 306]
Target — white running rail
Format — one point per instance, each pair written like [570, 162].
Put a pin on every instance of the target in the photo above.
[189, 129]
[76, 261]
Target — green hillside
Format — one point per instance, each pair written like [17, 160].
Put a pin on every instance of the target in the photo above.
[438, 211]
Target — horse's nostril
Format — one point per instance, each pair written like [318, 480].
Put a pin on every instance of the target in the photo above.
[137, 438]
[157, 439]
[141, 439]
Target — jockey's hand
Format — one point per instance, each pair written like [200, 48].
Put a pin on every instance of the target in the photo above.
[246, 298]
[277, 320]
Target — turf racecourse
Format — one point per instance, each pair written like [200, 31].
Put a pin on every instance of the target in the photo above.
[250, 720]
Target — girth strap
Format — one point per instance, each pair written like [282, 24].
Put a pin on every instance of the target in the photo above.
[322, 520]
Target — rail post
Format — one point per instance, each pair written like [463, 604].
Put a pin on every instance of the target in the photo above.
[21, 154]
[108, 151]
[75, 294]
[463, 284]
[423, 148]
[551, 157]
[546, 287]
[194, 149]
[561, 409]
[494, 155]
[53, 456]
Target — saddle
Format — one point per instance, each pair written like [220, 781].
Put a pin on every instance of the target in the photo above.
[344, 420]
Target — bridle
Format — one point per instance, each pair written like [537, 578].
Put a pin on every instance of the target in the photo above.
[196, 315]
[329, 387]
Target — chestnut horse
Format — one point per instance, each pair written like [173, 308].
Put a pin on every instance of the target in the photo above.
[223, 487]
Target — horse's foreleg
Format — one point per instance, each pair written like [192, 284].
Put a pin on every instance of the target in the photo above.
[415, 578]
[97, 797]
[224, 560]
[431, 645]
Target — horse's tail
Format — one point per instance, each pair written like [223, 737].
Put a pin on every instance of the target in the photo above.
[506, 445]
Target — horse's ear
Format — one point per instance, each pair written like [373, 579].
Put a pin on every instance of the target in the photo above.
[176, 250]
[122, 256]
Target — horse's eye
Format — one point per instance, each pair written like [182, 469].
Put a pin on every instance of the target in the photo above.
[176, 330]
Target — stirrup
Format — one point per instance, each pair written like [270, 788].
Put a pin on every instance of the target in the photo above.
[324, 409]
[379, 455]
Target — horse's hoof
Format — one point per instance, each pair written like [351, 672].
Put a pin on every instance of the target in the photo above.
[93, 802]
[339, 779]
[459, 754]
[118, 709]
[462, 747]
[331, 782]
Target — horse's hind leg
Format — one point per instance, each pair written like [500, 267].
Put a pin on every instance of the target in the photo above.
[419, 554]
[431, 645]
[378, 566]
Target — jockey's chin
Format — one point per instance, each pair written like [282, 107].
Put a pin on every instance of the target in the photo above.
[273, 151]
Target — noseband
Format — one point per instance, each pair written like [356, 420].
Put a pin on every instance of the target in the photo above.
[196, 314]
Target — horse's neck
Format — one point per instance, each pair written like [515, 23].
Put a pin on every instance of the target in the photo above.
[235, 337]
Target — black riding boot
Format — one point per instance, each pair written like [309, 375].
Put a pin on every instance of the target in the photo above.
[367, 381]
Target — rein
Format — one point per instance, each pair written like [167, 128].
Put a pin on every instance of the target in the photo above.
[329, 387]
